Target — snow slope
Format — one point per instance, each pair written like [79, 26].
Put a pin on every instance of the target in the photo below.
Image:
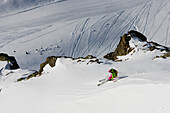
[142, 88]
[90, 27]
[7, 6]
[78, 28]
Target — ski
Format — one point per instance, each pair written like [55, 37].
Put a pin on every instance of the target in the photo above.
[102, 82]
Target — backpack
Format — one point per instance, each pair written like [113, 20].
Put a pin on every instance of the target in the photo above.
[113, 71]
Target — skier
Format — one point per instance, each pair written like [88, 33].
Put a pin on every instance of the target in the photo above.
[113, 74]
[112, 77]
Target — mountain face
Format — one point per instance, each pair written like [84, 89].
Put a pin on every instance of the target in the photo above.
[130, 44]
[52, 38]
[90, 27]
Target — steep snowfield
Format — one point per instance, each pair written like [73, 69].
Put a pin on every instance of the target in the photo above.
[78, 28]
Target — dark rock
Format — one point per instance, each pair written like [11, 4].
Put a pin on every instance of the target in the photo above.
[167, 54]
[10, 59]
[122, 49]
[14, 64]
[152, 48]
[21, 79]
[50, 60]
[4, 57]
[137, 34]
[155, 46]
[89, 57]
[27, 53]
[30, 76]
[92, 61]
[111, 56]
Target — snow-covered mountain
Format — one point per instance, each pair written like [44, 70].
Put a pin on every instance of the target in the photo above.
[32, 30]
[90, 27]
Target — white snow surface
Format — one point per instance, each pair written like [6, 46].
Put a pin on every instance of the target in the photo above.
[78, 28]
[71, 87]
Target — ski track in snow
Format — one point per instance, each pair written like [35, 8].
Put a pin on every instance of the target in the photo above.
[98, 38]
[33, 8]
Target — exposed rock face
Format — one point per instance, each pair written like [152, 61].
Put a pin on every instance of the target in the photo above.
[10, 59]
[50, 60]
[164, 56]
[155, 46]
[4, 57]
[167, 54]
[122, 49]
[139, 42]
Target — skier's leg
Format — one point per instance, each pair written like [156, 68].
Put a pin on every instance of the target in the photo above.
[102, 82]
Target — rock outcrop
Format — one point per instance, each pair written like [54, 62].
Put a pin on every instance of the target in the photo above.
[52, 61]
[138, 35]
[10, 59]
[139, 41]
[49, 60]
[164, 56]
[122, 49]
[155, 46]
